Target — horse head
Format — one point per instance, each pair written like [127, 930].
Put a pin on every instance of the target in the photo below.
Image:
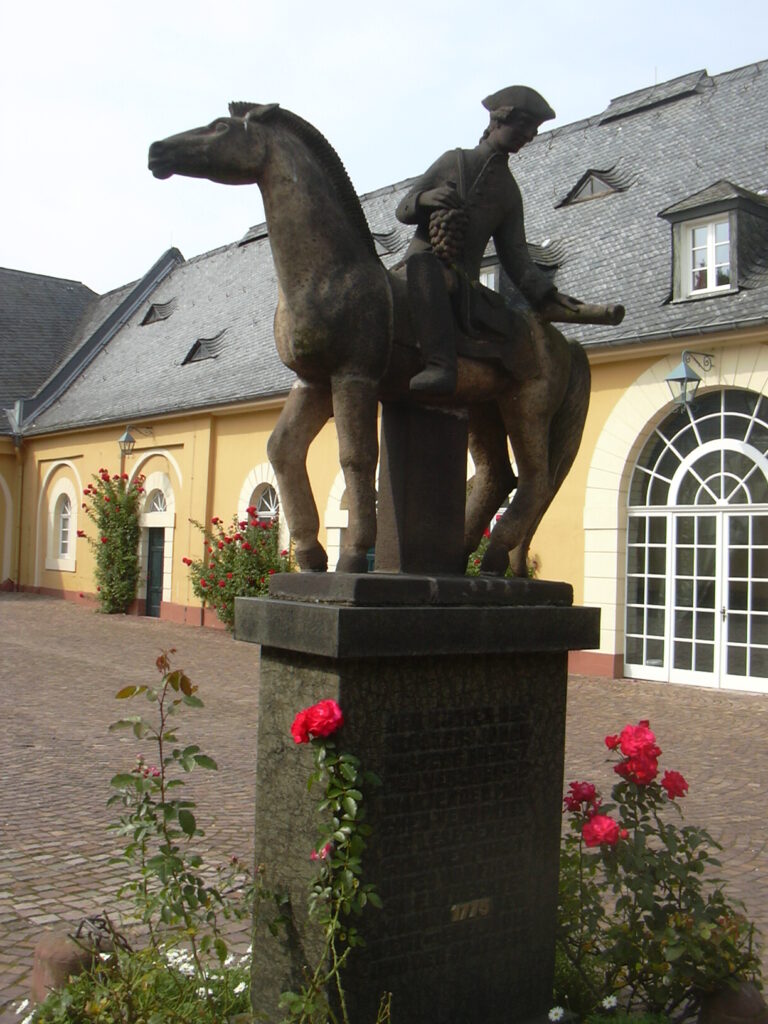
[230, 150]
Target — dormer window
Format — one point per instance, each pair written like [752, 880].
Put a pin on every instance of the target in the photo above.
[593, 186]
[719, 241]
[708, 249]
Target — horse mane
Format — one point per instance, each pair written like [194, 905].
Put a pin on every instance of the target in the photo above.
[330, 162]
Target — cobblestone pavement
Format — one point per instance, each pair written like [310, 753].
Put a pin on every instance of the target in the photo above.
[61, 664]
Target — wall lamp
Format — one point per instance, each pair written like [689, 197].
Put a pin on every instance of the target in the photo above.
[683, 381]
[126, 442]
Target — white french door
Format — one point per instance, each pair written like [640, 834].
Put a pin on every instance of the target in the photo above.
[697, 548]
[718, 616]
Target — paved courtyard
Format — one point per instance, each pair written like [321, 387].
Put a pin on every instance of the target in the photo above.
[61, 664]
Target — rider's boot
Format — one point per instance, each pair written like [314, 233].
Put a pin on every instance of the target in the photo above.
[432, 317]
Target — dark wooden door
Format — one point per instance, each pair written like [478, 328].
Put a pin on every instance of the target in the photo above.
[156, 545]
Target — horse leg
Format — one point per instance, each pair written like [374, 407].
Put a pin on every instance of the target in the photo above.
[494, 479]
[306, 410]
[355, 409]
[528, 424]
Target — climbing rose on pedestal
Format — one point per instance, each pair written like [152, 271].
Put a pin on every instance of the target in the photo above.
[322, 719]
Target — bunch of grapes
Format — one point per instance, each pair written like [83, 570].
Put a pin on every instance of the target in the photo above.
[447, 231]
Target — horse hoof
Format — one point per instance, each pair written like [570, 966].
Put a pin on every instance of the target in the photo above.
[495, 561]
[312, 559]
[351, 561]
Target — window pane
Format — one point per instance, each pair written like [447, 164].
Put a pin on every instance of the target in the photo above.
[705, 561]
[706, 529]
[635, 590]
[683, 624]
[759, 563]
[684, 593]
[685, 562]
[634, 650]
[722, 233]
[636, 532]
[737, 595]
[698, 280]
[655, 653]
[737, 661]
[683, 655]
[699, 237]
[705, 594]
[722, 275]
[655, 622]
[657, 561]
[758, 663]
[657, 530]
[760, 629]
[705, 625]
[685, 530]
[634, 620]
[738, 563]
[705, 657]
[737, 629]
[656, 591]
[738, 532]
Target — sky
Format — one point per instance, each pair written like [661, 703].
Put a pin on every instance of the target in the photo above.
[85, 87]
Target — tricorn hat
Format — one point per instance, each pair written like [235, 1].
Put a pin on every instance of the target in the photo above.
[522, 99]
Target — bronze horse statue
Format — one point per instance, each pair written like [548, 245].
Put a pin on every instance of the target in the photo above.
[342, 324]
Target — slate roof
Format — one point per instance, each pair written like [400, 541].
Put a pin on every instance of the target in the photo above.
[38, 321]
[670, 143]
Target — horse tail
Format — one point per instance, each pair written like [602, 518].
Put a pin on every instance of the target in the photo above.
[567, 424]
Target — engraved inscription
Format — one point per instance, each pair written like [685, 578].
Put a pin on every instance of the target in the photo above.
[473, 908]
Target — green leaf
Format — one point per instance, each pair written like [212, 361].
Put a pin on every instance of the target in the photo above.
[350, 806]
[123, 779]
[192, 701]
[206, 762]
[187, 822]
[129, 691]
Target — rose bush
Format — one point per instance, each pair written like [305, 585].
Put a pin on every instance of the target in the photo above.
[238, 561]
[114, 510]
[642, 917]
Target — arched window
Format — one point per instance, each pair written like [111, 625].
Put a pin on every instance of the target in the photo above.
[156, 502]
[266, 502]
[63, 520]
[697, 546]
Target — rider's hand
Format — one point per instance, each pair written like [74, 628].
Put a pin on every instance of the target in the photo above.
[444, 197]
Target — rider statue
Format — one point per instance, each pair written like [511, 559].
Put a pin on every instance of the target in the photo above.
[465, 198]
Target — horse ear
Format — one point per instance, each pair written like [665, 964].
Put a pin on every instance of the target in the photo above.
[254, 111]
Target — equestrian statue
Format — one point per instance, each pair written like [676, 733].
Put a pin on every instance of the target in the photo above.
[425, 332]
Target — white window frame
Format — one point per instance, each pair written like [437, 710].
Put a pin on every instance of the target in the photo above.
[711, 264]
[489, 276]
[55, 557]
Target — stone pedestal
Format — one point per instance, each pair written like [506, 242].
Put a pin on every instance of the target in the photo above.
[453, 692]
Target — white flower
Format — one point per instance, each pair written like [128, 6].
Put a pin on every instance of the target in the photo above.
[230, 960]
[28, 1019]
[610, 1003]
[22, 1006]
[239, 988]
[556, 1013]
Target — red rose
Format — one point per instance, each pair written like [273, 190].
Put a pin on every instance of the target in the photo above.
[599, 830]
[322, 854]
[221, 545]
[641, 769]
[187, 561]
[612, 742]
[321, 719]
[251, 510]
[215, 521]
[247, 547]
[222, 583]
[203, 584]
[103, 540]
[636, 738]
[580, 793]
[242, 524]
[81, 533]
[675, 784]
